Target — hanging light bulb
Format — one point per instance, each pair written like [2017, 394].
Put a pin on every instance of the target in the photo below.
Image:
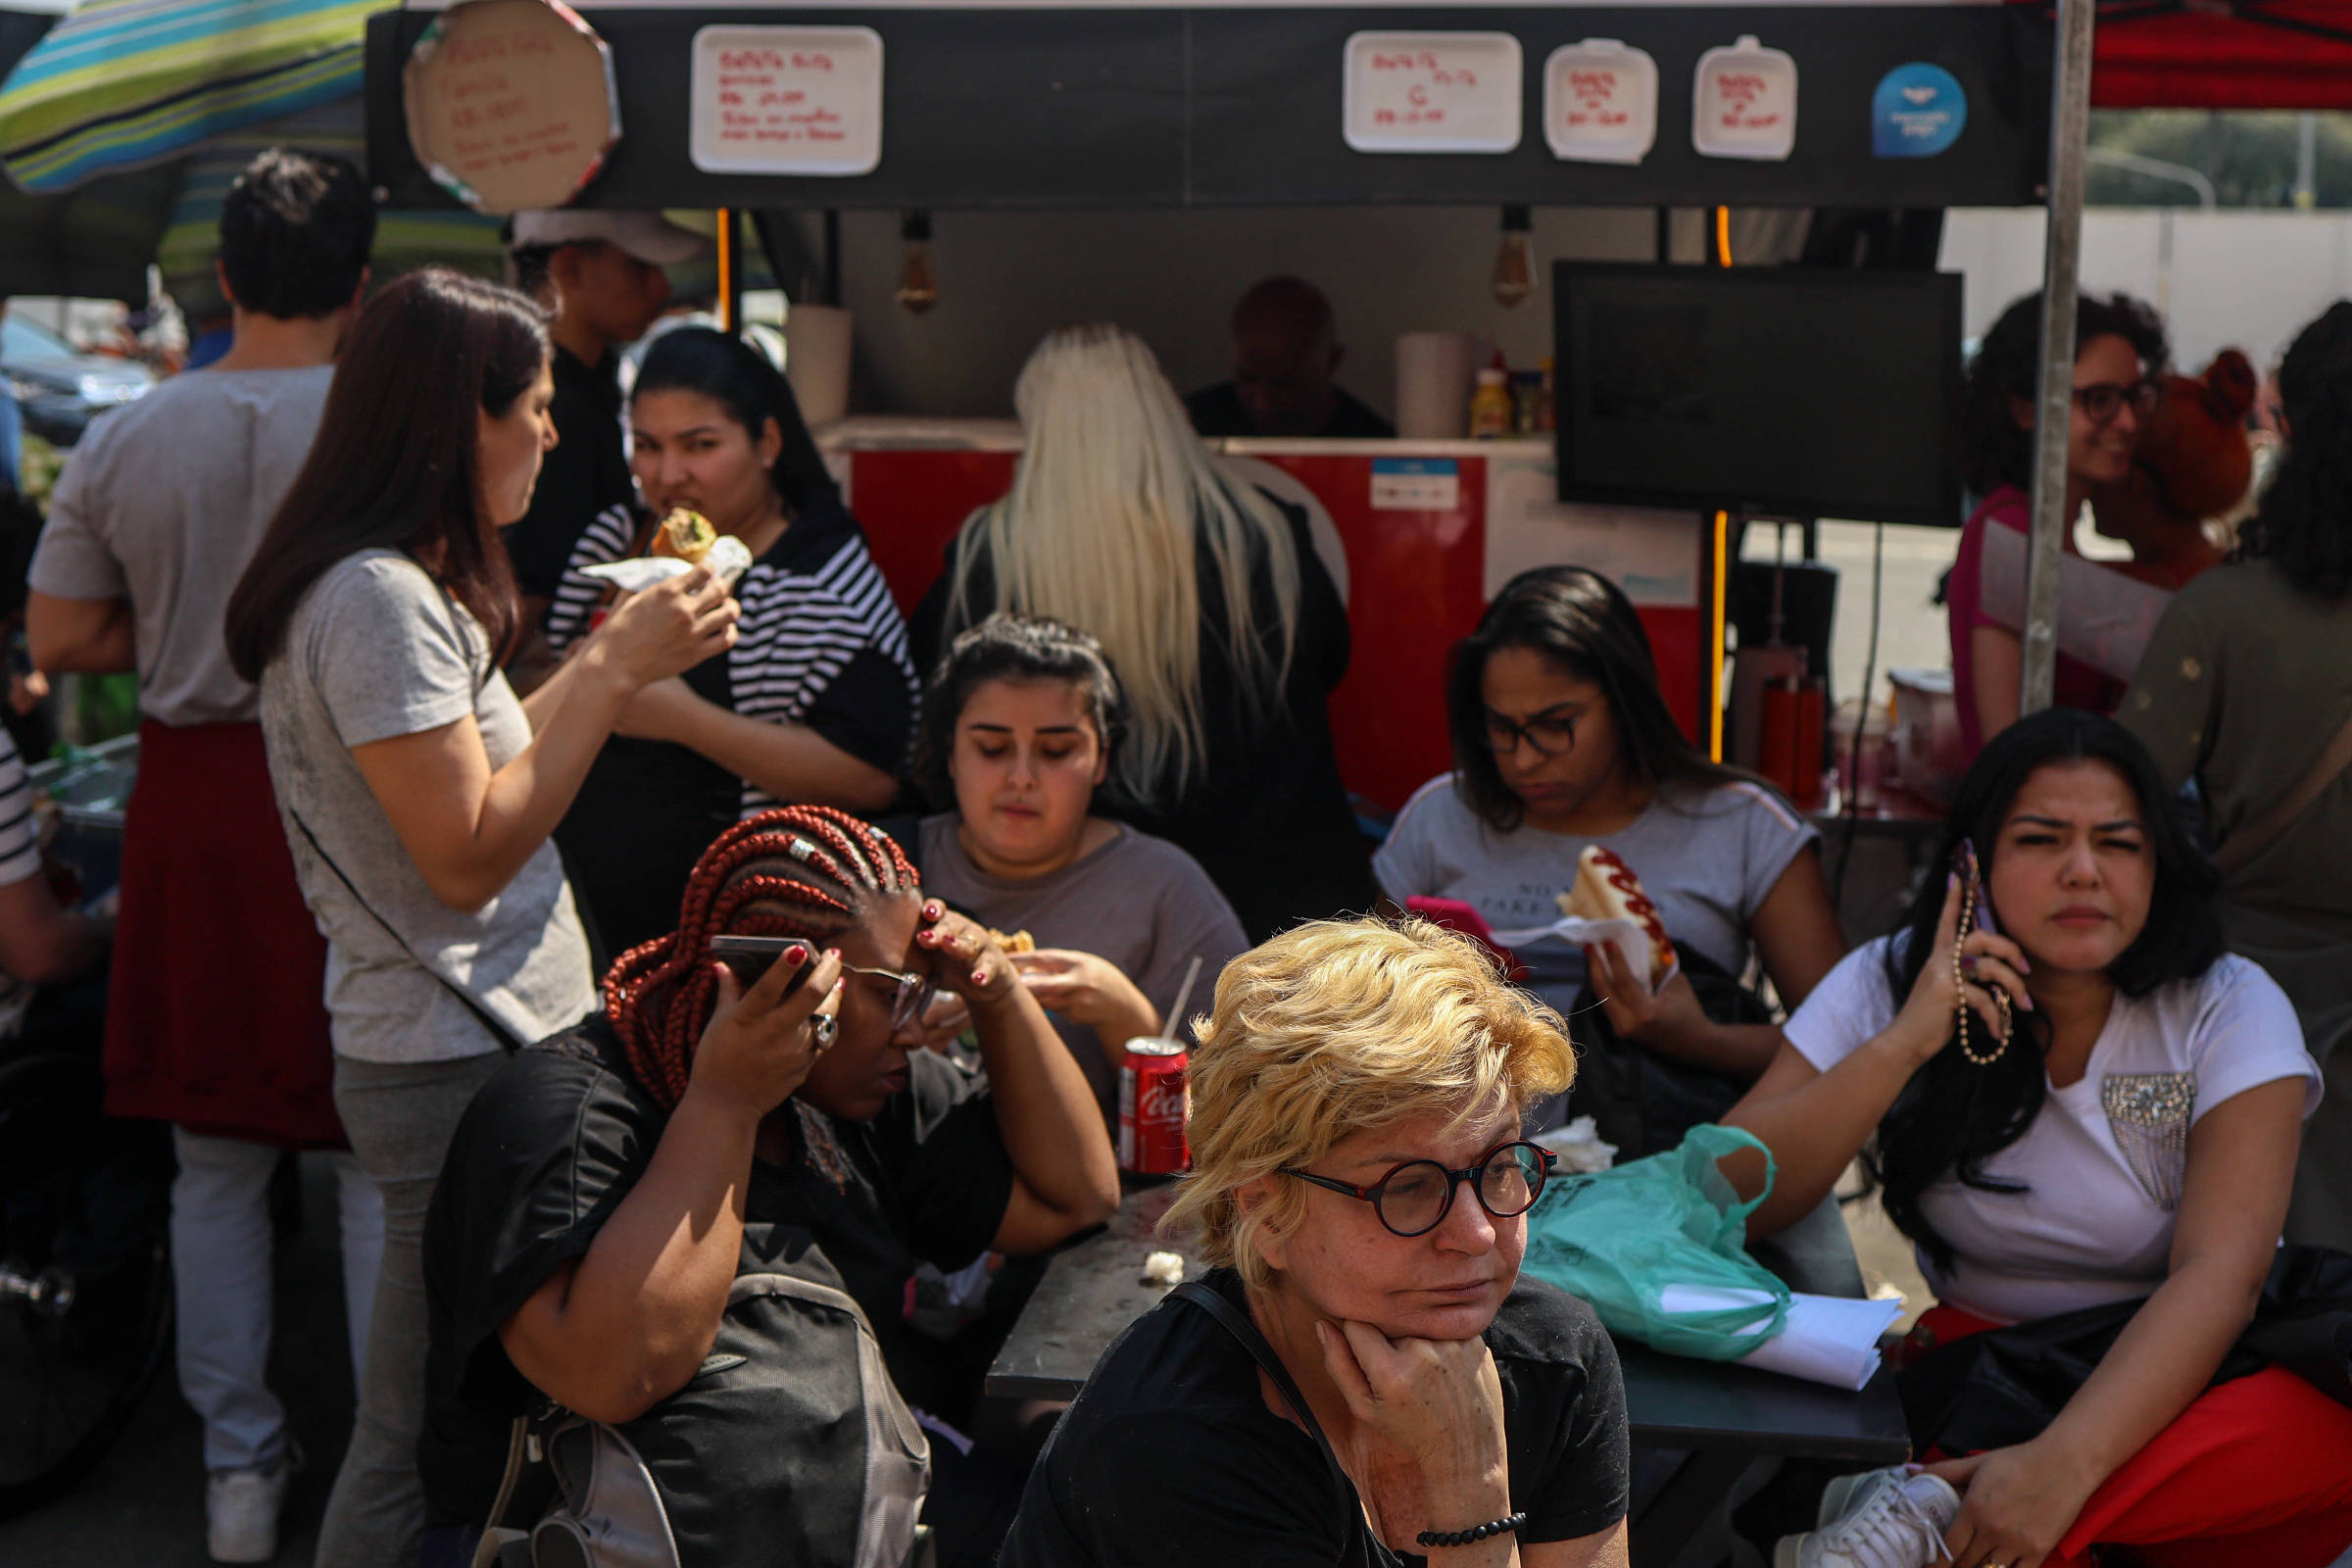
[919, 280]
[1514, 263]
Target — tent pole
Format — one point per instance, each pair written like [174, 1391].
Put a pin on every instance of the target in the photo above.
[2054, 394]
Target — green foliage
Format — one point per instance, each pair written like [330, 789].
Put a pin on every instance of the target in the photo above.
[42, 464]
[2250, 155]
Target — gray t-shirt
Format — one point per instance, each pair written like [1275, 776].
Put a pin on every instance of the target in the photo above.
[375, 650]
[1139, 901]
[164, 501]
[1706, 859]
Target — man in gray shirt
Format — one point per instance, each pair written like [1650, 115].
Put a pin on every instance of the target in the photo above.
[215, 1017]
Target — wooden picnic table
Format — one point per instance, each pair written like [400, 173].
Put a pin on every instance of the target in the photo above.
[1725, 1420]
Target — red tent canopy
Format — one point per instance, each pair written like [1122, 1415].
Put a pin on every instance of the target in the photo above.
[2221, 54]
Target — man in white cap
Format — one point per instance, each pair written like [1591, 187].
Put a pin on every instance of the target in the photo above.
[601, 273]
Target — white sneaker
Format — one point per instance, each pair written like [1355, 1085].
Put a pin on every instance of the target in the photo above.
[240, 1513]
[1879, 1519]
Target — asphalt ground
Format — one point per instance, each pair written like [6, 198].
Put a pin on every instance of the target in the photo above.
[143, 1506]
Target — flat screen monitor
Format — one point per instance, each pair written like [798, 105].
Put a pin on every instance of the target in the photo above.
[1776, 391]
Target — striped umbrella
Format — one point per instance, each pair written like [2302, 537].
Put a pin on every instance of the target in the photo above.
[127, 122]
[119, 84]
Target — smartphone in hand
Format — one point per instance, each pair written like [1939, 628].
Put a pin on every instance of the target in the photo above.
[1971, 882]
[749, 957]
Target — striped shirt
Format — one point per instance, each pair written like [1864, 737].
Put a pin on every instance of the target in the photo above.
[20, 859]
[813, 606]
[20, 847]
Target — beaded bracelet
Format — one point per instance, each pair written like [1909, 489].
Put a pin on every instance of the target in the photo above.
[1475, 1533]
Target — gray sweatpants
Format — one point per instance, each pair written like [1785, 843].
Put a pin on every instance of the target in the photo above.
[400, 1119]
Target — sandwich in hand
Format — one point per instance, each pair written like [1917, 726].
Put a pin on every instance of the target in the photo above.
[1017, 942]
[687, 535]
[1606, 889]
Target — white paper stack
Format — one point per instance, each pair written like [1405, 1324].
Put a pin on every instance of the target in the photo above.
[1828, 1339]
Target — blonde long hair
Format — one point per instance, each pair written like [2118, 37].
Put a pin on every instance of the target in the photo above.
[1102, 530]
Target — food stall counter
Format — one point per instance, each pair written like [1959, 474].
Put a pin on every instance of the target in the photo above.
[1418, 537]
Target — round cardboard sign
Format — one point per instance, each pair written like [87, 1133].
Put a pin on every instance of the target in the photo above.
[510, 103]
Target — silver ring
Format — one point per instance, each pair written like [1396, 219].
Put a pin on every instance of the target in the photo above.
[824, 1027]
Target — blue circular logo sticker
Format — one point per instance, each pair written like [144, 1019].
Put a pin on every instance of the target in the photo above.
[1918, 111]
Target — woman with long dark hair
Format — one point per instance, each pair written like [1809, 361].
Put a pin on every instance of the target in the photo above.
[1563, 740]
[417, 791]
[814, 701]
[2120, 348]
[2076, 1099]
[2246, 688]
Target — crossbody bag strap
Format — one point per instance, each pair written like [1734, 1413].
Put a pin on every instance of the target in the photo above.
[2266, 829]
[481, 1014]
[1207, 1298]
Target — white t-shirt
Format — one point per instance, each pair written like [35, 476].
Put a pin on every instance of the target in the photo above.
[2103, 1162]
[1707, 860]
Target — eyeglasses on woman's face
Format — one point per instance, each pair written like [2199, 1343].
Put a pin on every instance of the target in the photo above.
[910, 997]
[2101, 400]
[1553, 732]
[1414, 1198]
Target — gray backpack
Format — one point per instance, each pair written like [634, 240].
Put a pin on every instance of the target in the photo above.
[715, 1464]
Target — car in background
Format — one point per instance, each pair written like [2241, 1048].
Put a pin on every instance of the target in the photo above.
[60, 389]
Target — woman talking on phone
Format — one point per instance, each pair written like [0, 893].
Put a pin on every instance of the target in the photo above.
[611, 1188]
[2075, 1100]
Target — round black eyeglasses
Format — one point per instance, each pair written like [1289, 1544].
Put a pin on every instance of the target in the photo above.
[1414, 1198]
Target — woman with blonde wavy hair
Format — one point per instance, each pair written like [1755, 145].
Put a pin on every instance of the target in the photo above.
[1209, 597]
[1362, 1372]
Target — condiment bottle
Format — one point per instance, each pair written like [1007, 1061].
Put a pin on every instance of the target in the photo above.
[1491, 406]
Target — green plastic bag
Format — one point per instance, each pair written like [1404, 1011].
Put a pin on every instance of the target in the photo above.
[1619, 1238]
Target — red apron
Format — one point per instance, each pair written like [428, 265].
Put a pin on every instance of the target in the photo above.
[216, 1016]
[2256, 1473]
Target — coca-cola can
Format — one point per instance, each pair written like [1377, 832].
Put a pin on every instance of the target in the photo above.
[1152, 1104]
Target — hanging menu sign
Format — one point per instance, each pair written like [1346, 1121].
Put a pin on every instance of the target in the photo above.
[510, 103]
[1432, 92]
[786, 101]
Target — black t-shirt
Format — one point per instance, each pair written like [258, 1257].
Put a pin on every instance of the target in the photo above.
[1170, 1457]
[1218, 410]
[585, 475]
[820, 644]
[1265, 815]
[554, 1142]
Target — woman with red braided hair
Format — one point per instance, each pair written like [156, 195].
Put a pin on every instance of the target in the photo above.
[612, 1190]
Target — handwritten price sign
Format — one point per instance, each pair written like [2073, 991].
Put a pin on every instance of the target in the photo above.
[787, 101]
[1432, 92]
[510, 104]
[1600, 102]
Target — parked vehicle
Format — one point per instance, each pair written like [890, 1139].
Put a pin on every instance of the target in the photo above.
[60, 389]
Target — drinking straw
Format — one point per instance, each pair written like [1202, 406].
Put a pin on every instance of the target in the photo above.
[1184, 994]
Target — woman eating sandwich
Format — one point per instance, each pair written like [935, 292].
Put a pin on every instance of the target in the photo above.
[1562, 740]
[813, 704]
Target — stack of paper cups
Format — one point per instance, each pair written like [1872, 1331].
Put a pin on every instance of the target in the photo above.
[816, 360]
[1435, 373]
